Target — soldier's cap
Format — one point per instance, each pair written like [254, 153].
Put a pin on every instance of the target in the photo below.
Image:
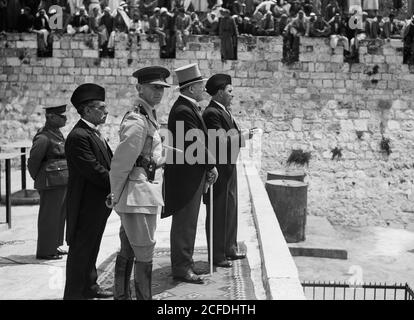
[156, 9]
[55, 109]
[163, 10]
[152, 75]
[216, 81]
[188, 75]
[87, 92]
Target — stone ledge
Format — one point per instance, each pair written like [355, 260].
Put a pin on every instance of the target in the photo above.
[279, 273]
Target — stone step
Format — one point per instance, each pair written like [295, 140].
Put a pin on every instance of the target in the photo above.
[322, 241]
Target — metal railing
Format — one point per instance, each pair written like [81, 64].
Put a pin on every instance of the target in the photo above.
[344, 291]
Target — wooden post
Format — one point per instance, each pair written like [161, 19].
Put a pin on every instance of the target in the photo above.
[289, 202]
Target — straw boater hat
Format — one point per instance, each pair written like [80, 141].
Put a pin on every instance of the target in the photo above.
[188, 75]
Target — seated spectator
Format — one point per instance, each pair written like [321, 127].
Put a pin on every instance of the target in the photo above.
[360, 34]
[167, 25]
[280, 8]
[147, 7]
[155, 27]
[238, 7]
[294, 8]
[92, 5]
[338, 33]
[331, 9]
[246, 27]
[281, 24]
[389, 26]
[320, 27]
[196, 27]
[291, 37]
[41, 27]
[267, 25]
[145, 27]
[317, 6]
[311, 21]
[299, 24]
[122, 21]
[106, 24]
[79, 23]
[183, 25]
[26, 20]
[307, 7]
[211, 24]
[94, 20]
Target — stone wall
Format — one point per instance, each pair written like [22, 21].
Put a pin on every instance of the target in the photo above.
[316, 104]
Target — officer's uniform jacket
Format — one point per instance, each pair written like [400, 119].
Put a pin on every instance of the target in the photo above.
[47, 151]
[138, 136]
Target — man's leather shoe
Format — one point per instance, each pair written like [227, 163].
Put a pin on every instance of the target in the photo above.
[49, 257]
[223, 264]
[189, 277]
[200, 271]
[61, 252]
[100, 294]
[236, 256]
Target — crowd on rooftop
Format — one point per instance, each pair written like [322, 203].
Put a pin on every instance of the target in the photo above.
[171, 22]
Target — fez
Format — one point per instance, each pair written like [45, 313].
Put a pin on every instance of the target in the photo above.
[216, 81]
[152, 75]
[55, 110]
[87, 92]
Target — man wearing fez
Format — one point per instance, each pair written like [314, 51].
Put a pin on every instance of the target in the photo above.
[136, 185]
[184, 178]
[48, 168]
[229, 139]
[89, 158]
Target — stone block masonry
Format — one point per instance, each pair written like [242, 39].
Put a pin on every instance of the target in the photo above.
[316, 104]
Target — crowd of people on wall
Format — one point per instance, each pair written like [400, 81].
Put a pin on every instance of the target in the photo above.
[171, 22]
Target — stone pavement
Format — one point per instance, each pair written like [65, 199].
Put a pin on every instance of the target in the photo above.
[24, 277]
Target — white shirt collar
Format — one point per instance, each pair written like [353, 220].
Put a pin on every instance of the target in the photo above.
[193, 101]
[90, 124]
[223, 107]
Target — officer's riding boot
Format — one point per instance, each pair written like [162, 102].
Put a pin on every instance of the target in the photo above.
[142, 278]
[123, 270]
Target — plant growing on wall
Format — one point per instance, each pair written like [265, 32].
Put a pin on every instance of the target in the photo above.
[385, 145]
[336, 152]
[299, 157]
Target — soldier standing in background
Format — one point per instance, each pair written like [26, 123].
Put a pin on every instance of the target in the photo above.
[47, 166]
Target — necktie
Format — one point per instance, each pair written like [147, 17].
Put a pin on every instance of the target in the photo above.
[100, 136]
[154, 114]
[232, 118]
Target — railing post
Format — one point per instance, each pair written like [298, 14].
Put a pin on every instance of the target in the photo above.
[8, 194]
[23, 167]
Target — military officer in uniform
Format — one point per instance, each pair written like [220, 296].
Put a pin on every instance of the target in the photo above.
[136, 185]
[218, 116]
[48, 168]
[89, 159]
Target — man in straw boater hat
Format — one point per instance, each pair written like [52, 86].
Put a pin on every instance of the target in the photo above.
[47, 166]
[89, 159]
[136, 185]
[185, 178]
[229, 140]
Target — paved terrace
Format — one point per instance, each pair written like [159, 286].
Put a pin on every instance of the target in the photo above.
[269, 271]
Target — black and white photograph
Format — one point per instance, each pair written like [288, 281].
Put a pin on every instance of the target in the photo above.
[211, 156]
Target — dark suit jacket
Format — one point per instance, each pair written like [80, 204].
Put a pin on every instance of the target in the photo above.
[182, 180]
[215, 117]
[88, 163]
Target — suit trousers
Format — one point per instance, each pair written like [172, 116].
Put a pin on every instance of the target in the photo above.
[139, 229]
[51, 221]
[183, 233]
[224, 216]
[81, 274]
